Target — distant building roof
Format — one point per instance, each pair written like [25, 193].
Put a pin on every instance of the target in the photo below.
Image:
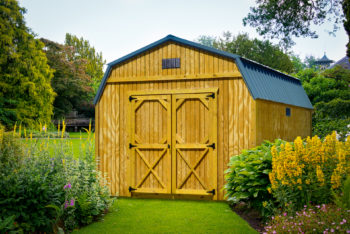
[324, 60]
[344, 62]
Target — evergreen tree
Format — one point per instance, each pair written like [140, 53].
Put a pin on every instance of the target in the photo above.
[26, 95]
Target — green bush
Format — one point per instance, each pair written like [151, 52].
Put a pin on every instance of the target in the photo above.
[42, 190]
[343, 199]
[325, 126]
[247, 178]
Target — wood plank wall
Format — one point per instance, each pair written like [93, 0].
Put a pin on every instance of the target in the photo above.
[273, 123]
[242, 121]
[235, 125]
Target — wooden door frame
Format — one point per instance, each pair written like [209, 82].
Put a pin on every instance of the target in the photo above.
[132, 151]
[171, 92]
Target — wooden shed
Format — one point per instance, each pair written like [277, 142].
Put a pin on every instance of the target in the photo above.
[169, 116]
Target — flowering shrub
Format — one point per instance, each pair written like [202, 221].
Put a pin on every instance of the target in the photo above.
[42, 188]
[309, 170]
[316, 219]
[247, 178]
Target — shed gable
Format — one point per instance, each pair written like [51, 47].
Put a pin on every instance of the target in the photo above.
[194, 63]
[199, 61]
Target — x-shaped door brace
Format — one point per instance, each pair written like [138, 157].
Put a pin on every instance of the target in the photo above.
[150, 168]
[193, 168]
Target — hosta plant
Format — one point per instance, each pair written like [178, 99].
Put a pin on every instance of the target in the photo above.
[247, 178]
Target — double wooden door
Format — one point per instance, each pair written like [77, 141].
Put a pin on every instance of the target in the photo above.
[173, 143]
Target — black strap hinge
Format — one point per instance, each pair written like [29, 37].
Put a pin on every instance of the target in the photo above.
[131, 146]
[212, 145]
[131, 189]
[211, 95]
[211, 191]
[131, 98]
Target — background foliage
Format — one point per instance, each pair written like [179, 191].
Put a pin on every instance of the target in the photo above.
[261, 51]
[329, 92]
[25, 92]
[286, 19]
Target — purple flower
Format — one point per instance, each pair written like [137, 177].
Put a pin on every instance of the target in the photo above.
[65, 204]
[67, 186]
[71, 202]
[284, 214]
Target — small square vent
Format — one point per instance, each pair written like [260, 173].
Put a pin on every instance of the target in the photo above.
[170, 63]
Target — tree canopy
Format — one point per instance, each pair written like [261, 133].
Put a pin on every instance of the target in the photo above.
[263, 52]
[329, 92]
[70, 81]
[25, 92]
[83, 50]
[285, 19]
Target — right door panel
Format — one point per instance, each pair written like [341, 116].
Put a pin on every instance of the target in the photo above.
[194, 143]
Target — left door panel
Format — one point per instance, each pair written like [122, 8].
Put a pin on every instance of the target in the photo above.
[149, 147]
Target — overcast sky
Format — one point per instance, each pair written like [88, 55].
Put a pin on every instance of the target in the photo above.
[118, 27]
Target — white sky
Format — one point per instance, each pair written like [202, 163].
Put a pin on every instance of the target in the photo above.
[118, 27]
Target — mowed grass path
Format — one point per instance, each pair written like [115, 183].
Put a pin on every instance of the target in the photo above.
[130, 215]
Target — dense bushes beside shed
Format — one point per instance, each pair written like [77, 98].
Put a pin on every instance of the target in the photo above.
[41, 191]
[282, 178]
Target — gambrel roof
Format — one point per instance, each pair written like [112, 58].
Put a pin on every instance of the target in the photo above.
[262, 82]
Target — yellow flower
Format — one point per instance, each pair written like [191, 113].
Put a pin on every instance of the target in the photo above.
[319, 173]
[264, 203]
[300, 188]
[299, 181]
[269, 190]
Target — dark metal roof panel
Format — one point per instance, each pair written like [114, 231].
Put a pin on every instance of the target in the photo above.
[270, 85]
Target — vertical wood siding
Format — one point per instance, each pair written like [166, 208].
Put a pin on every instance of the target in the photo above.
[235, 126]
[272, 122]
[237, 121]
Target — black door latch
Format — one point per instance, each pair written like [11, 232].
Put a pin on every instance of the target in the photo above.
[131, 189]
[131, 146]
[211, 191]
[131, 98]
[211, 95]
[212, 145]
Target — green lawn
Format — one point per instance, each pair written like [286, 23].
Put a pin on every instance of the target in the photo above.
[78, 134]
[75, 143]
[169, 216]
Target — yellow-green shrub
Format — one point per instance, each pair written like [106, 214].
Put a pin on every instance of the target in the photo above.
[307, 171]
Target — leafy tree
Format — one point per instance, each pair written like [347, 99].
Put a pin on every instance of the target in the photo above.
[310, 61]
[70, 81]
[298, 65]
[263, 52]
[285, 19]
[346, 10]
[206, 40]
[83, 50]
[26, 95]
[329, 92]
